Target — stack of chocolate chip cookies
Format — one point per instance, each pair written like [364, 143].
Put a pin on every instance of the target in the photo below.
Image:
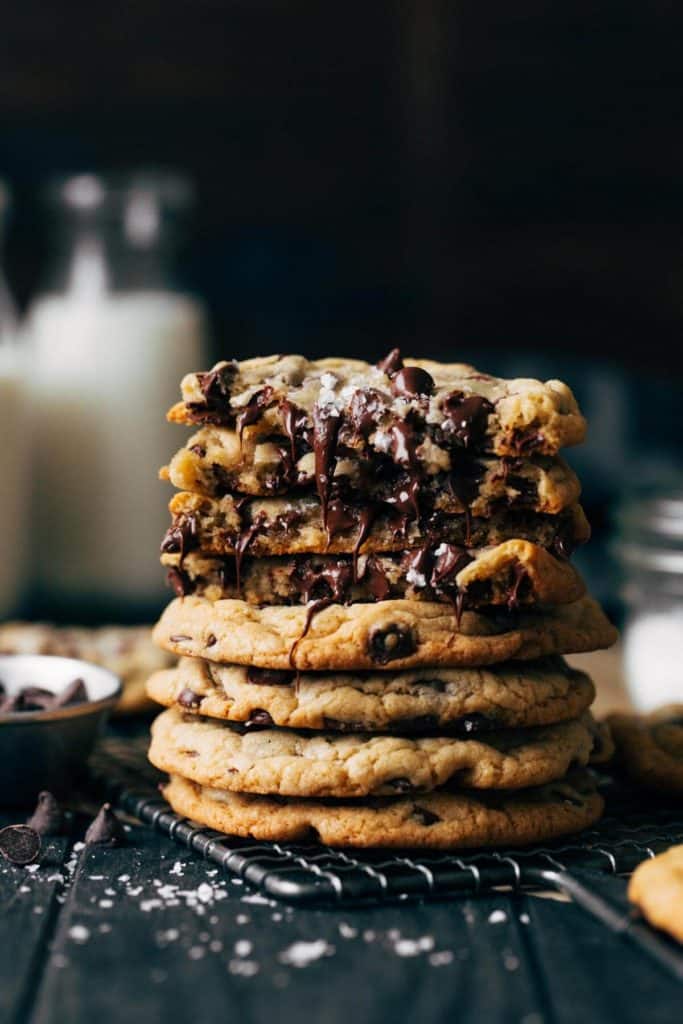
[375, 592]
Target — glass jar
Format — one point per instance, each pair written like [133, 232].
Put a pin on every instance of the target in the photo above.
[650, 551]
[111, 336]
[14, 446]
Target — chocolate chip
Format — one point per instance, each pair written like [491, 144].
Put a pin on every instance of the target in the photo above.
[211, 641]
[391, 363]
[74, 693]
[179, 581]
[252, 411]
[33, 698]
[424, 816]
[390, 643]
[179, 638]
[215, 386]
[401, 785]
[469, 415]
[412, 380]
[268, 676]
[48, 817]
[198, 449]
[20, 844]
[259, 719]
[181, 536]
[105, 829]
[187, 698]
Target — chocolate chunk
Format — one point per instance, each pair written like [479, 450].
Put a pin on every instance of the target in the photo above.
[339, 517]
[215, 386]
[180, 537]
[390, 643]
[187, 698]
[268, 676]
[469, 415]
[375, 579]
[258, 719]
[74, 693]
[391, 363]
[527, 441]
[33, 698]
[412, 380]
[424, 816]
[366, 408]
[252, 411]
[198, 450]
[105, 829]
[449, 562]
[179, 581]
[48, 817]
[20, 844]
[401, 785]
[211, 641]
[295, 422]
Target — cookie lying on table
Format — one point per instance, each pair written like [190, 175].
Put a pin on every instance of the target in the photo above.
[656, 888]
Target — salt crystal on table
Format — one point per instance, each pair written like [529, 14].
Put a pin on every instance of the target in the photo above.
[79, 933]
[301, 954]
[497, 917]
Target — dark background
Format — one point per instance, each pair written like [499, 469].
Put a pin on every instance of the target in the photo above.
[497, 182]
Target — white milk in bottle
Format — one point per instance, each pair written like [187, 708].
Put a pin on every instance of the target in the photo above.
[109, 346]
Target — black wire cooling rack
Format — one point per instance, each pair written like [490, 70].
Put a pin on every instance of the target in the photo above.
[631, 831]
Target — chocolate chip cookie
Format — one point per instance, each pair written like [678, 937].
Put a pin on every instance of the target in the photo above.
[289, 763]
[262, 527]
[451, 405]
[438, 820]
[463, 702]
[656, 888]
[389, 634]
[512, 574]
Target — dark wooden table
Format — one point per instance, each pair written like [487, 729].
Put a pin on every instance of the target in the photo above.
[150, 932]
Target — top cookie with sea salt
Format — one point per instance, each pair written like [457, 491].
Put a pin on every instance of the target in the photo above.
[416, 412]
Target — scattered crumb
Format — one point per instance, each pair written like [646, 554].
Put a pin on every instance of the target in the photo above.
[301, 954]
[79, 933]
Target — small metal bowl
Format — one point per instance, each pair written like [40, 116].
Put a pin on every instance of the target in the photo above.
[49, 749]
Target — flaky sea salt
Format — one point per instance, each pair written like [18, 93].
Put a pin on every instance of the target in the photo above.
[497, 917]
[301, 954]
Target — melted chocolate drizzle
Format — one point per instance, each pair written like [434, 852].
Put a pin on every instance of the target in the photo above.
[251, 412]
[325, 431]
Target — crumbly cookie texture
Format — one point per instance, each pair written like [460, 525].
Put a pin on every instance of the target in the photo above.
[327, 764]
[275, 526]
[650, 747]
[127, 651]
[214, 462]
[656, 888]
[388, 634]
[453, 404]
[514, 573]
[464, 701]
[439, 820]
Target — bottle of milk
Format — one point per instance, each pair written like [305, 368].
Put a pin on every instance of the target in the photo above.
[110, 338]
[13, 447]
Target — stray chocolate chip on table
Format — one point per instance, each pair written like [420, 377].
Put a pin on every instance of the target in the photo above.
[20, 844]
[48, 817]
[105, 829]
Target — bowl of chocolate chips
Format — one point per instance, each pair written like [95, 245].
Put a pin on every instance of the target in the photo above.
[51, 711]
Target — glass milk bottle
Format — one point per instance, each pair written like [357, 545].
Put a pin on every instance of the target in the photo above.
[110, 340]
[13, 447]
